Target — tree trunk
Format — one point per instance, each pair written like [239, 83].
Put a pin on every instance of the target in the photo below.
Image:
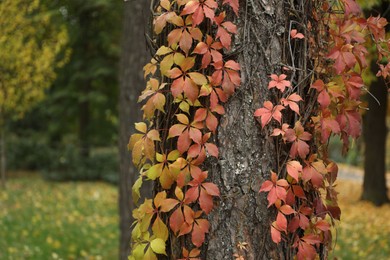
[133, 58]
[84, 120]
[375, 131]
[246, 155]
[3, 159]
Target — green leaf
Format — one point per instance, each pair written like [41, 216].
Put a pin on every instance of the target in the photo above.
[158, 246]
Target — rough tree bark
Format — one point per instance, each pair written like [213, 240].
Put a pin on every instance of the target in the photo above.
[375, 132]
[133, 58]
[246, 155]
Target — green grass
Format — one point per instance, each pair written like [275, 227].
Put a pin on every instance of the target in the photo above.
[44, 220]
[364, 230]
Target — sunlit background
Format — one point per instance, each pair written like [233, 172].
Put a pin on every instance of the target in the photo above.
[59, 63]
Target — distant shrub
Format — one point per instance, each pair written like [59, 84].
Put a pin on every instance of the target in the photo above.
[67, 165]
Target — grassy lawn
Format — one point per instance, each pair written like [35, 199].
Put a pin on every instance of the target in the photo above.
[44, 220]
[364, 231]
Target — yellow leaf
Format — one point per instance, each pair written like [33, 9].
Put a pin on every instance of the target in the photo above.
[163, 50]
[141, 126]
[135, 189]
[155, 171]
[158, 246]
[160, 230]
[166, 64]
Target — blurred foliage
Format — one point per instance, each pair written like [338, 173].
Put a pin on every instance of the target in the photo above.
[45, 220]
[30, 42]
[94, 36]
[81, 104]
[67, 164]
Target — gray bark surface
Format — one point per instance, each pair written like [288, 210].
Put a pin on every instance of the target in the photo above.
[134, 56]
[246, 154]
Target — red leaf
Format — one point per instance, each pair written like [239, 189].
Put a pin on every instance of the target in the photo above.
[266, 186]
[183, 142]
[322, 225]
[268, 112]
[281, 222]
[192, 194]
[287, 210]
[275, 235]
[233, 4]
[295, 35]
[205, 201]
[211, 122]
[176, 220]
[291, 101]
[201, 227]
[311, 239]
[293, 169]
[212, 149]
[306, 251]
[211, 188]
[279, 82]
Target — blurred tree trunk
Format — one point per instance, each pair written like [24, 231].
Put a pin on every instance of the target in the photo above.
[134, 56]
[84, 121]
[3, 157]
[375, 132]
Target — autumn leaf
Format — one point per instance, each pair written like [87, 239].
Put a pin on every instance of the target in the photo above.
[184, 81]
[142, 144]
[343, 58]
[204, 191]
[314, 171]
[210, 50]
[279, 82]
[234, 4]
[292, 101]
[227, 75]
[155, 99]
[299, 137]
[185, 34]
[293, 169]
[268, 112]
[294, 34]
[225, 29]
[276, 189]
[186, 131]
[200, 9]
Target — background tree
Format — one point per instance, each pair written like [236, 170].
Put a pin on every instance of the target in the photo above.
[84, 94]
[375, 129]
[72, 134]
[133, 57]
[29, 43]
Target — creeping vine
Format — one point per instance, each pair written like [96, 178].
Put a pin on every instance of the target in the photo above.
[191, 76]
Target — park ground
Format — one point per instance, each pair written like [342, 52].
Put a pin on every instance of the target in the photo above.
[79, 220]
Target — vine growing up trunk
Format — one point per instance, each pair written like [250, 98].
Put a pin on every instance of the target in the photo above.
[219, 66]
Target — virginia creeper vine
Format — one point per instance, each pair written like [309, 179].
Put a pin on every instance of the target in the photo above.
[189, 79]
